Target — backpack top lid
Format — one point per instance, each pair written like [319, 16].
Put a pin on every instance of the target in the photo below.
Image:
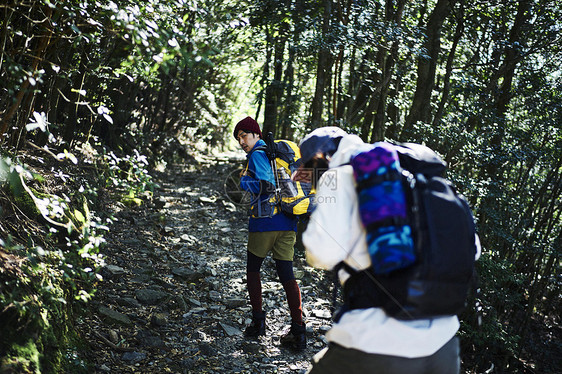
[285, 153]
[418, 158]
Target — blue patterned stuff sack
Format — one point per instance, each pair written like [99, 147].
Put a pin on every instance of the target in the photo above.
[383, 209]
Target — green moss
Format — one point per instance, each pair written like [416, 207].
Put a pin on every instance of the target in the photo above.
[131, 201]
[57, 349]
[38, 336]
[21, 358]
[27, 205]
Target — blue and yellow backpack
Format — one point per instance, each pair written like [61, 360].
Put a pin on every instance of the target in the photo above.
[290, 197]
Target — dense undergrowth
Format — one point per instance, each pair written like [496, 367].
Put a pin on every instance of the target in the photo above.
[52, 225]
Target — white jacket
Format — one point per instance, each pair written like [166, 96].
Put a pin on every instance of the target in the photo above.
[334, 234]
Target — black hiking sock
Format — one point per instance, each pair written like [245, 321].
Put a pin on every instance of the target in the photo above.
[254, 290]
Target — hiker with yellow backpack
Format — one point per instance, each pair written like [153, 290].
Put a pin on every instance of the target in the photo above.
[272, 224]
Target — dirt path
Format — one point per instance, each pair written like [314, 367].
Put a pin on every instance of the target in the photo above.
[174, 300]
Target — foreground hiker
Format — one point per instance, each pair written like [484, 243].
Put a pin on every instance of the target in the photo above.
[365, 340]
[269, 231]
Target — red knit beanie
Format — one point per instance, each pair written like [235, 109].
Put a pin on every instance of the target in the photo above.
[248, 124]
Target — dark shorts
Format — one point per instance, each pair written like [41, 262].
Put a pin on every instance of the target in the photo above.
[337, 359]
[280, 243]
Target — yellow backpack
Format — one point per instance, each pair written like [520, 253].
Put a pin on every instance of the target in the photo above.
[293, 198]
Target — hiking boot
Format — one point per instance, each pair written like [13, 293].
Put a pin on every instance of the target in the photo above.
[257, 327]
[296, 337]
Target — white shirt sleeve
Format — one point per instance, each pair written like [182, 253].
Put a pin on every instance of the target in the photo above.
[335, 232]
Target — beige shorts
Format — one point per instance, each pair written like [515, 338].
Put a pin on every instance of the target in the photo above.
[281, 243]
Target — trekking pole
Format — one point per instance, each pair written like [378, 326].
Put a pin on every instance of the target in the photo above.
[272, 155]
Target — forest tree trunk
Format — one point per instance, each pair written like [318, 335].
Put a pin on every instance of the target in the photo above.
[322, 71]
[421, 105]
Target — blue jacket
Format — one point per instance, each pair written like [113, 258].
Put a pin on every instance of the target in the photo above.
[261, 182]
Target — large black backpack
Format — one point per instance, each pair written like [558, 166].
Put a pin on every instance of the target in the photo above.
[429, 270]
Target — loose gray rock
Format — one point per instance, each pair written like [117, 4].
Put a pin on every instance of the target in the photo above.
[189, 239]
[113, 336]
[114, 316]
[133, 357]
[230, 330]
[115, 270]
[159, 319]
[208, 200]
[149, 340]
[128, 302]
[187, 274]
[150, 297]
[206, 349]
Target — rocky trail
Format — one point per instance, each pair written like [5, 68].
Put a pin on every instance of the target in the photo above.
[174, 298]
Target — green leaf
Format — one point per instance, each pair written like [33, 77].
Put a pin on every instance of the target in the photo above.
[79, 216]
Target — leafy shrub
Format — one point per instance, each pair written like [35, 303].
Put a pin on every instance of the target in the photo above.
[487, 337]
[49, 268]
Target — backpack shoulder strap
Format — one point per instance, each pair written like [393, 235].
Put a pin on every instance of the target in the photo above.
[343, 266]
[260, 148]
